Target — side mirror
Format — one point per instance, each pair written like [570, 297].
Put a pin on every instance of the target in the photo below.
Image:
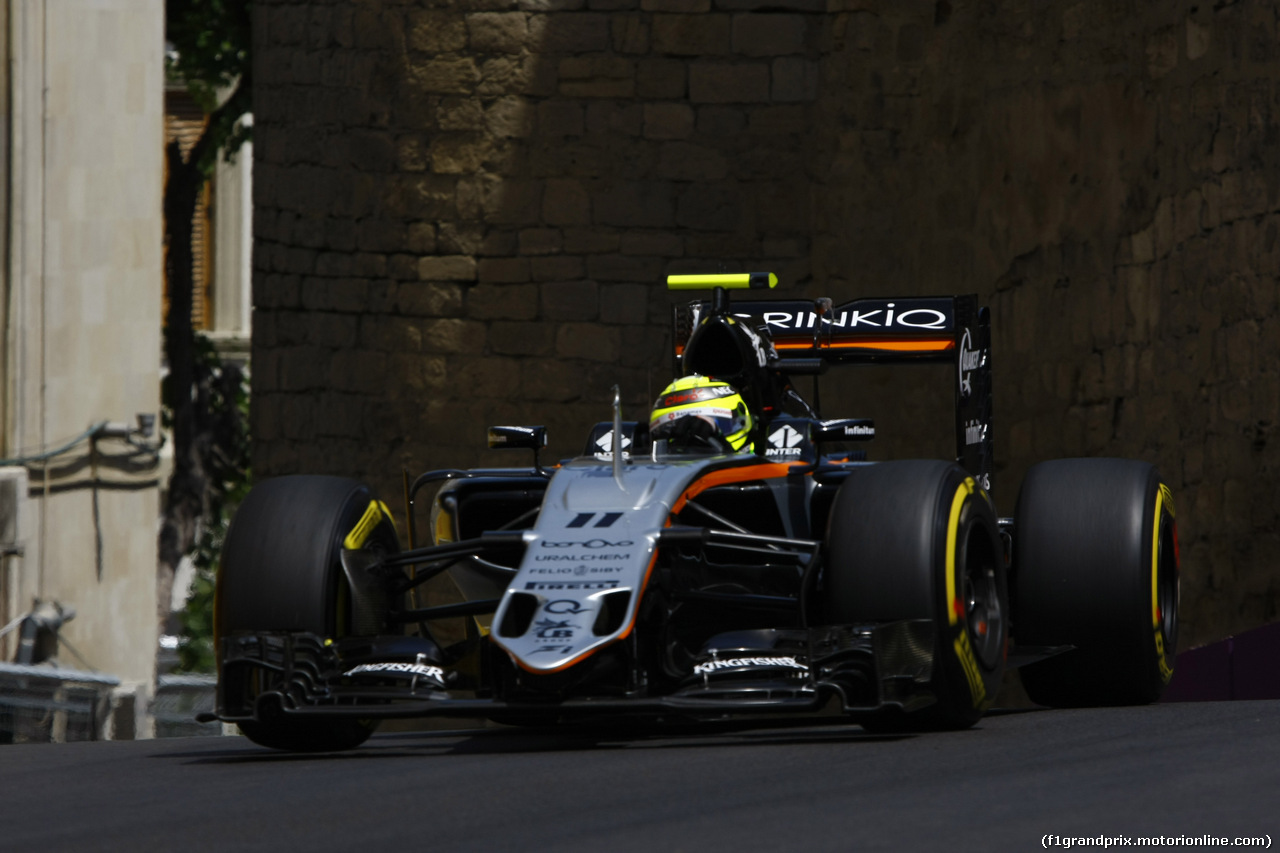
[844, 429]
[532, 437]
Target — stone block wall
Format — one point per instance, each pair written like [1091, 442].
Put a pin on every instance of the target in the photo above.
[464, 211]
[1107, 176]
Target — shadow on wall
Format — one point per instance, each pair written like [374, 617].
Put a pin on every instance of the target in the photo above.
[589, 154]
[1107, 179]
[463, 214]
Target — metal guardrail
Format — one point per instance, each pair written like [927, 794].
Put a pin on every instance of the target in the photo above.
[179, 697]
[41, 704]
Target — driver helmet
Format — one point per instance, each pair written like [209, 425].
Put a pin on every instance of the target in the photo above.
[700, 410]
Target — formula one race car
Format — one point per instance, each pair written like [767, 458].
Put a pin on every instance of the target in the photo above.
[732, 555]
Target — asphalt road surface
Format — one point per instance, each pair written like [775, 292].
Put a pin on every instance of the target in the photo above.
[1172, 770]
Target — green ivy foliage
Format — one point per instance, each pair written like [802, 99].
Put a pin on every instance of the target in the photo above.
[225, 388]
[207, 50]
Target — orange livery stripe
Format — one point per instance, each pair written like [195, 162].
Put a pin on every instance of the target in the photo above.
[888, 344]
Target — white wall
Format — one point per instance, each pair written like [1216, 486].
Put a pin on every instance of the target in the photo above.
[82, 340]
[233, 242]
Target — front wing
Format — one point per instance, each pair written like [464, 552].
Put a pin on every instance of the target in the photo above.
[863, 667]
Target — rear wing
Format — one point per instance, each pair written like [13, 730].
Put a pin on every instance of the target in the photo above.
[946, 329]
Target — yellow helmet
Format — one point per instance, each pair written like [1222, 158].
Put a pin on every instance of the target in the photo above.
[698, 409]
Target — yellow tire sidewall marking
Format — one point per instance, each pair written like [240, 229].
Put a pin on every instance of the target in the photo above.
[963, 650]
[386, 511]
[364, 527]
[953, 531]
[1164, 501]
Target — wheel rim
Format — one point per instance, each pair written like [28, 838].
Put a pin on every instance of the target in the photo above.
[984, 614]
[1167, 584]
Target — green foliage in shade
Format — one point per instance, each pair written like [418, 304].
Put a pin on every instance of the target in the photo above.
[209, 43]
[195, 642]
[205, 400]
[225, 389]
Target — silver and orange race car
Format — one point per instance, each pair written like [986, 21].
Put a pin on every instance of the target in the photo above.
[736, 554]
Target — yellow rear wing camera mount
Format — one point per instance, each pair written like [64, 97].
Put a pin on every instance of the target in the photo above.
[720, 283]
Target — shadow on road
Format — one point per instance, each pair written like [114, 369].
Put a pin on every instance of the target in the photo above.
[515, 740]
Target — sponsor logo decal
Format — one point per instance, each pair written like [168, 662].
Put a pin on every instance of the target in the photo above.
[955, 605]
[784, 441]
[1164, 503]
[974, 432]
[559, 650]
[554, 629]
[969, 663]
[576, 570]
[604, 446]
[564, 605]
[694, 395]
[879, 318]
[1166, 671]
[711, 412]
[857, 428]
[433, 672]
[364, 527]
[590, 543]
[577, 558]
[584, 586]
[749, 663]
[969, 361]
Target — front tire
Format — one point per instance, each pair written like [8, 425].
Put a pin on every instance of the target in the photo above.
[1096, 567]
[919, 540]
[281, 572]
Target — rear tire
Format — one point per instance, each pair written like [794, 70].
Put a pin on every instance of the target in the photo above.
[281, 571]
[1096, 567]
[919, 540]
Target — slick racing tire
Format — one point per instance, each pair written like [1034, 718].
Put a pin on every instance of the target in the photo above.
[1095, 560]
[281, 571]
[919, 540]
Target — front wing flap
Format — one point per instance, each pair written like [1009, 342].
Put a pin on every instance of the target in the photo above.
[865, 667]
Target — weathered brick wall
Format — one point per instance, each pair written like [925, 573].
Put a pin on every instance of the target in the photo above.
[463, 211]
[1106, 175]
